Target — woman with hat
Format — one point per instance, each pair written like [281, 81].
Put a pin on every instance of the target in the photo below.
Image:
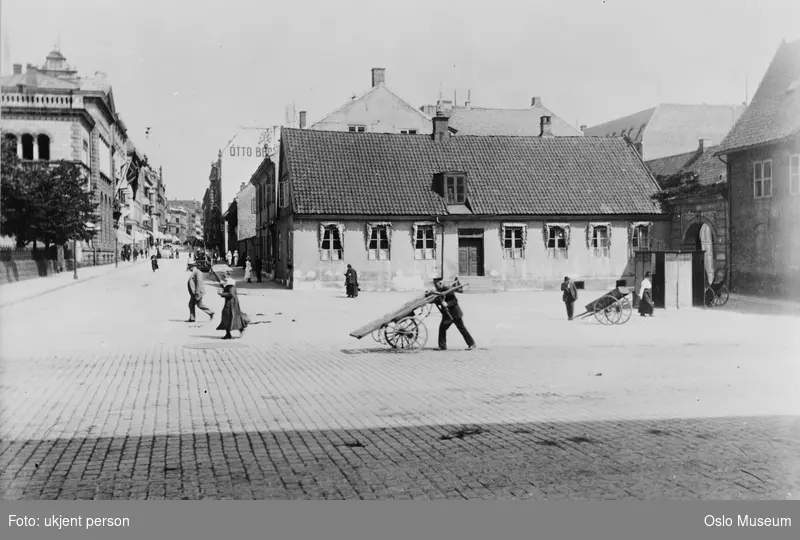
[232, 316]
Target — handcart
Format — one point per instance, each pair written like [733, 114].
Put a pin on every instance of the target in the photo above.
[613, 307]
[404, 328]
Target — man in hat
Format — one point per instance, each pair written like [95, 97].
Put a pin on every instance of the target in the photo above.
[451, 314]
[569, 296]
[196, 291]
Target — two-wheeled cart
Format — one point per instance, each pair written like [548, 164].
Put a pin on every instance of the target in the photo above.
[613, 307]
[404, 328]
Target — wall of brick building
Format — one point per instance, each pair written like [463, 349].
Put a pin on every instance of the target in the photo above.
[765, 246]
[689, 216]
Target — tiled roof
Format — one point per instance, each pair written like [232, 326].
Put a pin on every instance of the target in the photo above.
[774, 112]
[520, 122]
[377, 88]
[386, 174]
[708, 168]
[631, 125]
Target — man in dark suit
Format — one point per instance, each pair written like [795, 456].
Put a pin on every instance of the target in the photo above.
[569, 296]
[451, 314]
[196, 291]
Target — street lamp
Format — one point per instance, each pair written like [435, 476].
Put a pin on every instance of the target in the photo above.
[116, 214]
[74, 258]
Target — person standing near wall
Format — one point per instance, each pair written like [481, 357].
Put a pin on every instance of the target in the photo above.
[570, 296]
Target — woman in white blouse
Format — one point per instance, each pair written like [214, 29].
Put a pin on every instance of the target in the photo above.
[646, 296]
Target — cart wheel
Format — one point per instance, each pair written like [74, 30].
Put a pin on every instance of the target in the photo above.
[624, 310]
[600, 308]
[406, 334]
[722, 298]
[378, 336]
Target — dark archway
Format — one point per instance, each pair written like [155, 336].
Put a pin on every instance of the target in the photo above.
[701, 236]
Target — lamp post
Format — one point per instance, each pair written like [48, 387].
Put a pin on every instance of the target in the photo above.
[116, 214]
[74, 258]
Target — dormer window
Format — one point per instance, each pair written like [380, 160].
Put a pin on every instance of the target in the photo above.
[357, 129]
[455, 189]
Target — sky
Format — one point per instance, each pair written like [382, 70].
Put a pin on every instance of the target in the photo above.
[195, 71]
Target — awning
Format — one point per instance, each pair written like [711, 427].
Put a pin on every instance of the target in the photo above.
[138, 237]
[123, 238]
[158, 235]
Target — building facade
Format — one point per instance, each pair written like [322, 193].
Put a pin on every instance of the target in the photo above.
[54, 114]
[247, 218]
[695, 187]
[213, 223]
[502, 213]
[762, 153]
[194, 219]
[669, 129]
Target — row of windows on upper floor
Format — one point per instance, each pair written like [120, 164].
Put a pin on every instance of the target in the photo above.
[513, 241]
[30, 146]
[762, 177]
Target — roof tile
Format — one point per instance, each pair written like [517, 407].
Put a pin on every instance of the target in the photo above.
[387, 174]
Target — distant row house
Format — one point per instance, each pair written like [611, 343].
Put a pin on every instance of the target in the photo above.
[52, 114]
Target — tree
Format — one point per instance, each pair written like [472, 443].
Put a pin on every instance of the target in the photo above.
[45, 201]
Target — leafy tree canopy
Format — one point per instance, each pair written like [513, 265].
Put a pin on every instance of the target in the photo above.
[46, 201]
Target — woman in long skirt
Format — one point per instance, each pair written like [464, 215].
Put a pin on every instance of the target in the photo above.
[248, 269]
[646, 296]
[351, 282]
[232, 316]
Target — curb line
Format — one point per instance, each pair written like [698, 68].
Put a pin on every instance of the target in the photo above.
[54, 289]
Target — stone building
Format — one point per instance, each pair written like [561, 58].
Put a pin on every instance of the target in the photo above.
[762, 153]
[213, 224]
[246, 219]
[52, 113]
[696, 184]
[194, 218]
[502, 213]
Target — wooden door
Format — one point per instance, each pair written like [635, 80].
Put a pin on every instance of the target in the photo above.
[659, 281]
[470, 256]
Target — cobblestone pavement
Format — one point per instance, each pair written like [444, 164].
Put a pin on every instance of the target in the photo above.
[107, 393]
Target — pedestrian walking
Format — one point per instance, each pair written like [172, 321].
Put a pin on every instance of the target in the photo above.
[232, 317]
[570, 295]
[451, 314]
[135, 255]
[258, 266]
[229, 257]
[235, 257]
[154, 262]
[197, 290]
[351, 282]
[248, 269]
[646, 296]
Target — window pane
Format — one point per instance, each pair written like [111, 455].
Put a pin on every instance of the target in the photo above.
[758, 189]
[795, 164]
[767, 188]
[757, 171]
[767, 169]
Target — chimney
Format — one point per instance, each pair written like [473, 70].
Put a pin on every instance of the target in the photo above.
[441, 131]
[583, 128]
[704, 144]
[241, 187]
[536, 101]
[17, 69]
[378, 76]
[302, 119]
[546, 127]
